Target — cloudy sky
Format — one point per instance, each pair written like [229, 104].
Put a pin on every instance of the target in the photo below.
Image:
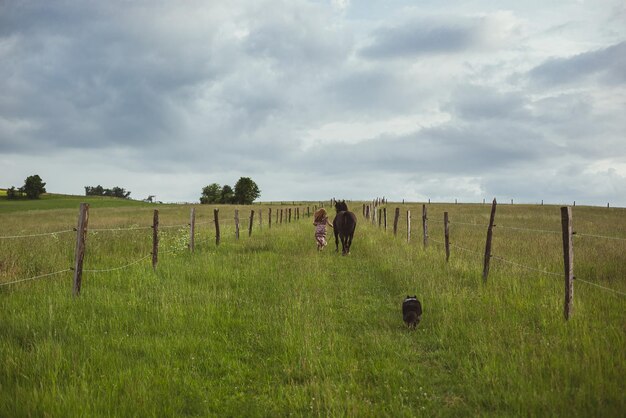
[313, 99]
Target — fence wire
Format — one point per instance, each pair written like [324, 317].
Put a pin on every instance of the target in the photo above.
[504, 260]
[599, 236]
[118, 268]
[600, 286]
[37, 235]
[131, 228]
[514, 228]
[467, 224]
[41, 276]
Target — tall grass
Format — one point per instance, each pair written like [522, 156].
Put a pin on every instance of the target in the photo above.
[267, 326]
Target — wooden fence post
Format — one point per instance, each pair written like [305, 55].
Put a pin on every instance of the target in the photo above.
[568, 259]
[237, 223]
[192, 229]
[308, 211]
[380, 217]
[446, 233]
[385, 216]
[367, 212]
[281, 215]
[269, 218]
[216, 219]
[155, 239]
[364, 210]
[408, 226]
[260, 218]
[425, 225]
[395, 221]
[251, 223]
[289, 215]
[81, 239]
[488, 243]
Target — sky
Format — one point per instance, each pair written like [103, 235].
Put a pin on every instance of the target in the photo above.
[414, 100]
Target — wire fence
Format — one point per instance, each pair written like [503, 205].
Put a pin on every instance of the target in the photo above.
[425, 219]
[526, 267]
[43, 234]
[598, 236]
[132, 263]
[41, 276]
[229, 222]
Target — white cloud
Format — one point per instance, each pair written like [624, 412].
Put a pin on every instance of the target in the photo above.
[355, 132]
[341, 5]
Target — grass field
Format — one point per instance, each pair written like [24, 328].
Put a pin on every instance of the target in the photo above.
[267, 326]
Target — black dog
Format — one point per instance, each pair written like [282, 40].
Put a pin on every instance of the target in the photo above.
[411, 311]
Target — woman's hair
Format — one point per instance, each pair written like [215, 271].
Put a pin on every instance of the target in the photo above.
[320, 214]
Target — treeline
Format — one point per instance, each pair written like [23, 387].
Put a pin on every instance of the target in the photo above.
[101, 191]
[244, 193]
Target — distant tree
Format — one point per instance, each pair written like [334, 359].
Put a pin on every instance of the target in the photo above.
[246, 191]
[211, 194]
[101, 191]
[120, 192]
[33, 187]
[94, 191]
[227, 195]
[13, 193]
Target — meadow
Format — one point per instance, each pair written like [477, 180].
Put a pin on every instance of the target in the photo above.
[268, 326]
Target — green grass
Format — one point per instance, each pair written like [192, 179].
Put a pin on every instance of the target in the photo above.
[267, 326]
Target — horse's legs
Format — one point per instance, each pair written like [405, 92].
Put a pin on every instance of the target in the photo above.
[336, 242]
[349, 239]
[344, 245]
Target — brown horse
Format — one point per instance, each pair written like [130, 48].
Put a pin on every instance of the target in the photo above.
[344, 225]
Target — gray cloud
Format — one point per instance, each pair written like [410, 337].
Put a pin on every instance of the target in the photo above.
[164, 95]
[479, 102]
[419, 38]
[420, 35]
[607, 65]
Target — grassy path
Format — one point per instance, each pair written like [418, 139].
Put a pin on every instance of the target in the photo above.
[269, 327]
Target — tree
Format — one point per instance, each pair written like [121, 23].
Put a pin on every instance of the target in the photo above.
[94, 191]
[246, 191]
[211, 194]
[120, 192]
[228, 196]
[34, 187]
[101, 191]
[13, 193]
